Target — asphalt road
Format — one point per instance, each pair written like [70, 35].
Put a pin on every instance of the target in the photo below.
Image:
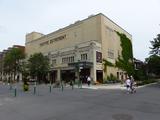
[80, 104]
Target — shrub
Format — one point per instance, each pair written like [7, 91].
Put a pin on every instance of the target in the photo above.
[144, 82]
[25, 87]
[111, 79]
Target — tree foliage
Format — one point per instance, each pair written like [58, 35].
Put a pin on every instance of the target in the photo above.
[125, 62]
[141, 73]
[155, 49]
[153, 63]
[38, 66]
[106, 63]
[12, 60]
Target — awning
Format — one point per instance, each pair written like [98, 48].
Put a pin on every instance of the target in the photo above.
[83, 64]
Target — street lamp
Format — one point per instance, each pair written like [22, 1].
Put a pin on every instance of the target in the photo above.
[50, 85]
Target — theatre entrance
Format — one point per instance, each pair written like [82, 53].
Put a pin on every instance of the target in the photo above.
[67, 75]
[53, 76]
[99, 74]
[83, 68]
[84, 73]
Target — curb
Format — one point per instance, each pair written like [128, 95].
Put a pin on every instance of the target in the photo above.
[146, 85]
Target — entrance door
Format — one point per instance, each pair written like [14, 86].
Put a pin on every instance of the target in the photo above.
[99, 74]
[67, 75]
[83, 74]
[53, 76]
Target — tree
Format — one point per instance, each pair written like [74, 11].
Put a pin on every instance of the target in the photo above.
[12, 61]
[24, 71]
[155, 49]
[1, 69]
[125, 62]
[153, 64]
[38, 66]
[141, 73]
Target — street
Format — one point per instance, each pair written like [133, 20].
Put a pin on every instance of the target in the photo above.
[80, 104]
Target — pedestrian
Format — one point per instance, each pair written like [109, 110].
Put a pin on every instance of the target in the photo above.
[71, 82]
[88, 80]
[132, 85]
[128, 84]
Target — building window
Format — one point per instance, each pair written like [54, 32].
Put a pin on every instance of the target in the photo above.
[53, 62]
[84, 56]
[63, 60]
[98, 57]
[72, 59]
[110, 53]
[68, 59]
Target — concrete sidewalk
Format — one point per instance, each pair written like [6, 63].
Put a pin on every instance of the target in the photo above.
[116, 86]
[105, 86]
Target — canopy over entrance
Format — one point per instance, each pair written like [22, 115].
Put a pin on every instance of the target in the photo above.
[83, 64]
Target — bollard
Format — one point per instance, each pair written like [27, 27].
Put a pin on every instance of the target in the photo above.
[15, 92]
[10, 87]
[81, 84]
[62, 86]
[34, 90]
[72, 85]
[50, 88]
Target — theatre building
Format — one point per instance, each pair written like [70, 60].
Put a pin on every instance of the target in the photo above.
[78, 49]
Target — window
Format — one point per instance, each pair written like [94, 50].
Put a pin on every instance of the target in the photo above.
[53, 62]
[84, 56]
[98, 57]
[68, 59]
[63, 60]
[110, 53]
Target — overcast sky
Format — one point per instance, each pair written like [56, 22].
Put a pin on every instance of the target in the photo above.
[141, 18]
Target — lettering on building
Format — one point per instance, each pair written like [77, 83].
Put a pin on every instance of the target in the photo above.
[44, 43]
[58, 38]
[53, 40]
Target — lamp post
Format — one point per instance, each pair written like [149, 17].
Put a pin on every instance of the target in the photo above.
[78, 72]
[34, 88]
[50, 85]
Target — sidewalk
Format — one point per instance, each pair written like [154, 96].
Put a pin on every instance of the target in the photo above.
[116, 86]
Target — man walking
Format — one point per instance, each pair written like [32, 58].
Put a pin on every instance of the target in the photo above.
[88, 80]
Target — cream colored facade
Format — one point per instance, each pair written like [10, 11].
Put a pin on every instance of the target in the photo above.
[80, 42]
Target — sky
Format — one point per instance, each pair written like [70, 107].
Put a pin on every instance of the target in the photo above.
[141, 18]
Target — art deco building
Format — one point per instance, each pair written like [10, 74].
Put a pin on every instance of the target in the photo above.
[81, 45]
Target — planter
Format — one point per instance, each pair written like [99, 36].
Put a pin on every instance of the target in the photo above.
[25, 87]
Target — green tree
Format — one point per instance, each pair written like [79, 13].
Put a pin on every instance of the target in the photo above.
[153, 64]
[12, 61]
[141, 73]
[24, 71]
[1, 68]
[155, 49]
[125, 62]
[38, 66]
